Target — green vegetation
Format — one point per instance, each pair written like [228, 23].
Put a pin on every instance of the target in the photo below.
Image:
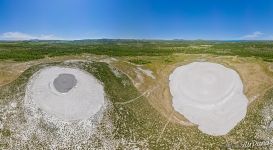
[5, 132]
[30, 50]
[139, 61]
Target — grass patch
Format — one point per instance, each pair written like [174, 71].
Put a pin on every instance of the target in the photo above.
[5, 132]
[139, 61]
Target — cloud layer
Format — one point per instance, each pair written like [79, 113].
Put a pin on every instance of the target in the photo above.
[18, 36]
[253, 36]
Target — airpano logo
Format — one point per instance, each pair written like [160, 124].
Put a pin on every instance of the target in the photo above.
[250, 145]
[253, 144]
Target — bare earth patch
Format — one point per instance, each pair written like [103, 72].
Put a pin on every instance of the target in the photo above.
[10, 71]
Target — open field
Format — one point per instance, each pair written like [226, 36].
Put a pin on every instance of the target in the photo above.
[24, 51]
[135, 75]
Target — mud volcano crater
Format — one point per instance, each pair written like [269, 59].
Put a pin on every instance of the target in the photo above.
[66, 93]
[209, 95]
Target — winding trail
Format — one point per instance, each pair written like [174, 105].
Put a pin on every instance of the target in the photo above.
[162, 131]
[132, 100]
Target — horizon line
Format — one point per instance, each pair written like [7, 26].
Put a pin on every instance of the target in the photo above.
[133, 39]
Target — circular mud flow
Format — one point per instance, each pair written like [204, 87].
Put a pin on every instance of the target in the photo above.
[66, 93]
[209, 95]
[64, 82]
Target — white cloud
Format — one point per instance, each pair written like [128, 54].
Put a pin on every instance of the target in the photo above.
[17, 36]
[253, 36]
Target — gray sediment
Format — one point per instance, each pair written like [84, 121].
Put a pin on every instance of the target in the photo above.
[64, 82]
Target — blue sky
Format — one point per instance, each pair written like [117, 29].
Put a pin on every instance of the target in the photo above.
[141, 19]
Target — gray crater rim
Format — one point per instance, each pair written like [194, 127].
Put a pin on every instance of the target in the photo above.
[65, 82]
